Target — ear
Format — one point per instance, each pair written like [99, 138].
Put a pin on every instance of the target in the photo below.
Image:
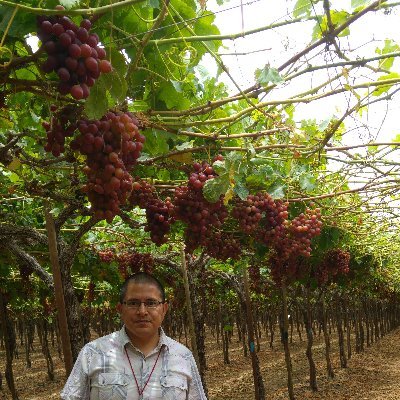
[119, 307]
[165, 309]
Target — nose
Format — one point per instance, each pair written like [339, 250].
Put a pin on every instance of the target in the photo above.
[142, 308]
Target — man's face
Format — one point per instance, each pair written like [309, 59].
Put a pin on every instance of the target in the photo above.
[142, 324]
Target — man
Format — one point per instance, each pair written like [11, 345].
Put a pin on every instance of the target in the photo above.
[139, 362]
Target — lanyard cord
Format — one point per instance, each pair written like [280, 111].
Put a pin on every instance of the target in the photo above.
[140, 391]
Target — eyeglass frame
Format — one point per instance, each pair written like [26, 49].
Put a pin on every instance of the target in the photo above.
[138, 303]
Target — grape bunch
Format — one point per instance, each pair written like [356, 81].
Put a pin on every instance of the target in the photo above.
[61, 125]
[142, 193]
[336, 262]
[191, 207]
[202, 173]
[112, 145]
[302, 229]
[249, 212]
[132, 262]
[200, 215]
[73, 53]
[273, 224]
[106, 256]
[221, 246]
[255, 277]
[288, 269]
[159, 215]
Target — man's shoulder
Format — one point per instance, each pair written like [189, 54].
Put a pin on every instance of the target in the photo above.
[177, 348]
[104, 342]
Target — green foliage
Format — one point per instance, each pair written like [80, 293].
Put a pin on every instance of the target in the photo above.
[302, 8]
[337, 19]
[390, 47]
[232, 169]
[266, 75]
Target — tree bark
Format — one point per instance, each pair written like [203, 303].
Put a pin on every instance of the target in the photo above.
[257, 377]
[285, 342]
[8, 343]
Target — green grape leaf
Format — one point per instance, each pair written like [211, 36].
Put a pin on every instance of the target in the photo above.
[96, 105]
[214, 188]
[69, 3]
[259, 161]
[156, 142]
[115, 84]
[267, 74]
[277, 190]
[151, 4]
[241, 190]
[172, 98]
[22, 24]
[390, 47]
[385, 88]
[118, 61]
[139, 105]
[302, 8]
[358, 3]
[307, 182]
[220, 167]
[185, 145]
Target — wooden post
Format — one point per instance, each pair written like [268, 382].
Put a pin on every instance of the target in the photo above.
[189, 308]
[59, 291]
[5, 323]
[259, 390]
[285, 341]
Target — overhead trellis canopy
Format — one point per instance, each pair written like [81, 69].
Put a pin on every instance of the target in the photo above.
[312, 126]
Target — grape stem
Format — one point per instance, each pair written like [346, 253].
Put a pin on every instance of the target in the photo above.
[81, 11]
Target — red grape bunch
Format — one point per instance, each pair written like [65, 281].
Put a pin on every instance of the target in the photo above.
[191, 207]
[132, 262]
[142, 193]
[303, 228]
[290, 269]
[249, 212]
[159, 215]
[106, 256]
[273, 225]
[221, 246]
[108, 144]
[255, 277]
[73, 53]
[202, 172]
[336, 262]
[61, 125]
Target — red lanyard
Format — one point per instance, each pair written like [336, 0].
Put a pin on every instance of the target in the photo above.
[140, 391]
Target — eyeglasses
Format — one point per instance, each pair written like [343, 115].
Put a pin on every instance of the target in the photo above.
[135, 304]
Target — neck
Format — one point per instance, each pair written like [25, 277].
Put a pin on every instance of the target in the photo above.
[144, 344]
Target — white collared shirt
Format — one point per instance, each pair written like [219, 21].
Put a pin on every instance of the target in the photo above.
[102, 371]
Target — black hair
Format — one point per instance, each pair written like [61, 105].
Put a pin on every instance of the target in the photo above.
[141, 277]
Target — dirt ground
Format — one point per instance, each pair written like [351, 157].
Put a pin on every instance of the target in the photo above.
[372, 375]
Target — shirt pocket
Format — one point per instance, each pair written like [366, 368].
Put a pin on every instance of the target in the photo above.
[174, 387]
[112, 386]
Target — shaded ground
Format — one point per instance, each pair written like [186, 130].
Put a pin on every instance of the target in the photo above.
[372, 375]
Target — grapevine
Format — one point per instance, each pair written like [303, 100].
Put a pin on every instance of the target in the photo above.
[73, 53]
[191, 207]
[132, 262]
[111, 146]
[335, 263]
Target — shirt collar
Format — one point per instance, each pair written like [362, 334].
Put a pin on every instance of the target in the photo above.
[124, 338]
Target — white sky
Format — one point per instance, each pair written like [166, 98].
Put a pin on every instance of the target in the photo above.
[282, 43]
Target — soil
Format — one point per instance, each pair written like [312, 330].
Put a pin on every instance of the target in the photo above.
[373, 374]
